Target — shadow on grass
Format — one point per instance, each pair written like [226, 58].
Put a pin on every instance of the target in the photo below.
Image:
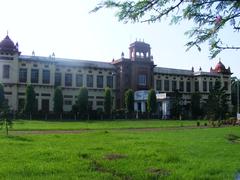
[19, 138]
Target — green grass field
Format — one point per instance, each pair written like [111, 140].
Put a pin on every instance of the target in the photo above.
[118, 124]
[202, 153]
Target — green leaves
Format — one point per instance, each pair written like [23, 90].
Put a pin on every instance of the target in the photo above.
[209, 16]
[129, 100]
[108, 101]
[58, 100]
[151, 101]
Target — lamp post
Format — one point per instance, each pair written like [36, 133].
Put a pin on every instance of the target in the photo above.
[238, 96]
[238, 115]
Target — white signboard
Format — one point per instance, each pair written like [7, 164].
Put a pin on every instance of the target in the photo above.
[161, 96]
[238, 116]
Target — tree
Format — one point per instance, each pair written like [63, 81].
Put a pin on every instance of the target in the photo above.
[58, 101]
[129, 101]
[196, 105]
[30, 105]
[151, 102]
[5, 118]
[209, 17]
[2, 99]
[107, 101]
[217, 103]
[177, 105]
[82, 101]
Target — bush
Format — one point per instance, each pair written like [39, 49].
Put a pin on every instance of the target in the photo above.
[198, 123]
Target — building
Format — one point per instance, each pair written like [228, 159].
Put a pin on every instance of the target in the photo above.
[137, 72]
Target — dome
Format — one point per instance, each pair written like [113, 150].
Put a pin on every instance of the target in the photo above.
[219, 67]
[7, 45]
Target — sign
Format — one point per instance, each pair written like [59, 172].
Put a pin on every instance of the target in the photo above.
[161, 96]
[238, 116]
[140, 95]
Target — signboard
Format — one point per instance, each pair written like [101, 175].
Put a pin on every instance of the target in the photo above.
[161, 96]
[238, 116]
[140, 95]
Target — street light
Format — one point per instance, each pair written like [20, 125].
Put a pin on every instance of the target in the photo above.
[238, 96]
[238, 115]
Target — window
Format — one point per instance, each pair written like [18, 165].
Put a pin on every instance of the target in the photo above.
[22, 75]
[204, 86]
[196, 86]
[6, 69]
[58, 79]
[188, 86]
[99, 81]
[45, 105]
[79, 80]
[46, 76]
[142, 80]
[181, 86]
[110, 81]
[166, 85]
[210, 85]
[99, 103]
[34, 76]
[226, 85]
[21, 103]
[89, 80]
[68, 102]
[68, 79]
[174, 85]
[159, 85]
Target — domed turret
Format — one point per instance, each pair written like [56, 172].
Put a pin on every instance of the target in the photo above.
[7, 46]
[220, 68]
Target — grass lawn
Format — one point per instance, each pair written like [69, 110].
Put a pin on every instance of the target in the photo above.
[115, 154]
[118, 124]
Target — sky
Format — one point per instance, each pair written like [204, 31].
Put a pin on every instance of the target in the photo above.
[66, 28]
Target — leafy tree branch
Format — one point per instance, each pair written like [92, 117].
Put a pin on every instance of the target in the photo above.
[209, 17]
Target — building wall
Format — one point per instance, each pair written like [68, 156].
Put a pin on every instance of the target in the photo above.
[15, 90]
[124, 72]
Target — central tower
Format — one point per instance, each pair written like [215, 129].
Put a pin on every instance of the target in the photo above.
[135, 72]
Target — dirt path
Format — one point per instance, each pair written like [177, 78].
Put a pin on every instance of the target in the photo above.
[95, 130]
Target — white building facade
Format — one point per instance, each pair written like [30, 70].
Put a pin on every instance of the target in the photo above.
[136, 72]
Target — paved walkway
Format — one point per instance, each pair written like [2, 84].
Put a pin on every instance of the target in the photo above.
[19, 132]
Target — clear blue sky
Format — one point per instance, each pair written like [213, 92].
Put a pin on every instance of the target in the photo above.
[66, 28]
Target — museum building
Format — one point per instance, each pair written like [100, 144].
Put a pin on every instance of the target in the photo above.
[136, 72]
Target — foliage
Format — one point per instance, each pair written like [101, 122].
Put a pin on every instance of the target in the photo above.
[58, 100]
[217, 103]
[107, 101]
[151, 101]
[30, 105]
[209, 17]
[82, 101]
[177, 104]
[196, 109]
[2, 99]
[5, 118]
[129, 101]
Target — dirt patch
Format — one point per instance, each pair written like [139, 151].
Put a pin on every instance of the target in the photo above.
[233, 138]
[114, 156]
[50, 131]
[106, 131]
[96, 166]
[159, 172]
